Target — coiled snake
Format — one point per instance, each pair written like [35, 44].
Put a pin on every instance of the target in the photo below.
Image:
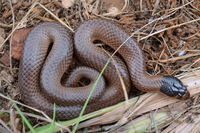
[41, 70]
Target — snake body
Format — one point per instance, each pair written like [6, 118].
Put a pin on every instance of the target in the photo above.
[41, 71]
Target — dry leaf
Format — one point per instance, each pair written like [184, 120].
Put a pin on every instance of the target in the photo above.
[17, 42]
[5, 59]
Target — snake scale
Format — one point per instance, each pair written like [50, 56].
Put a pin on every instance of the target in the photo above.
[49, 50]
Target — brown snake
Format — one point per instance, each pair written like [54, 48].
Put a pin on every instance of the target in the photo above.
[41, 71]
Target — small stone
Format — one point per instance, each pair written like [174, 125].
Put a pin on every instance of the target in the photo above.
[181, 53]
[68, 3]
[113, 7]
[113, 11]
[14, 1]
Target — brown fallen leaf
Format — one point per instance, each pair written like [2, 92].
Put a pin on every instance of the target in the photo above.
[5, 59]
[17, 42]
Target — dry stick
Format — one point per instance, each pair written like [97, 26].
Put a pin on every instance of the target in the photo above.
[155, 6]
[183, 5]
[194, 6]
[10, 52]
[141, 5]
[170, 10]
[4, 124]
[6, 25]
[174, 26]
[13, 120]
[176, 8]
[152, 29]
[166, 46]
[96, 4]
[43, 18]
[23, 19]
[188, 73]
[194, 63]
[56, 17]
[178, 58]
[126, 2]
[193, 35]
[119, 75]
[190, 14]
[157, 63]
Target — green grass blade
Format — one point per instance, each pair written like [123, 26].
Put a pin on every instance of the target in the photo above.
[24, 119]
[90, 95]
[52, 126]
[46, 128]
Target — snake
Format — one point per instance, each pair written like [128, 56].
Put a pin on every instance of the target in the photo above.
[48, 54]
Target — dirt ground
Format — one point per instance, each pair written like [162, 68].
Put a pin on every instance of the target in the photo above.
[167, 31]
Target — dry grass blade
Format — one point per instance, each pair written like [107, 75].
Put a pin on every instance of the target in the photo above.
[6, 25]
[56, 17]
[157, 101]
[192, 127]
[179, 58]
[172, 27]
[5, 128]
[13, 19]
[119, 75]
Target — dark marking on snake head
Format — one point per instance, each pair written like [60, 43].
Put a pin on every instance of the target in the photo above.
[172, 86]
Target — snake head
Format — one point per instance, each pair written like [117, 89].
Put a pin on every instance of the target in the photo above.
[172, 86]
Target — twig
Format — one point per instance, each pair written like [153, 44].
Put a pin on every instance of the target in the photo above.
[178, 58]
[172, 27]
[6, 25]
[55, 17]
[10, 52]
[6, 127]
